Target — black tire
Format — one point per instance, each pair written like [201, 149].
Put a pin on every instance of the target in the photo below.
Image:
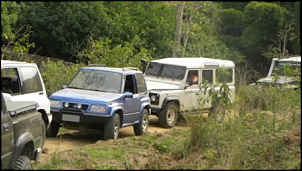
[217, 111]
[45, 120]
[53, 129]
[142, 127]
[219, 114]
[23, 163]
[168, 117]
[111, 129]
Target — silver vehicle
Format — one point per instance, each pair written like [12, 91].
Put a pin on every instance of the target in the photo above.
[276, 75]
[22, 134]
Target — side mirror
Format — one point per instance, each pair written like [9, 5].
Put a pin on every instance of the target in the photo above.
[128, 95]
[144, 64]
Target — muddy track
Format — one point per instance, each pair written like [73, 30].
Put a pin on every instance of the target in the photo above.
[72, 138]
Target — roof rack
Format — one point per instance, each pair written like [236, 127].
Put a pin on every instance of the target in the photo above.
[97, 65]
[130, 68]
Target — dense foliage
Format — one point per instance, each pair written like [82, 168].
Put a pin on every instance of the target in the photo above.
[121, 33]
[106, 31]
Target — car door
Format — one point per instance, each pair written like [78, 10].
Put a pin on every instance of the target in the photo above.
[131, 105]
[192, 92]
[7, 141]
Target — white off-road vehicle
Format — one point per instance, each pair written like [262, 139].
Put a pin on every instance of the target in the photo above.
[173, 85]
[23, 82]
[277, 75]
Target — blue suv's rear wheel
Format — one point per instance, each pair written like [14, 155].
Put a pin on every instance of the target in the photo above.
[142, 126]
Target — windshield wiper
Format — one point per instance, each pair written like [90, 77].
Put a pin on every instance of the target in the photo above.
[75, 87]
[96, 90]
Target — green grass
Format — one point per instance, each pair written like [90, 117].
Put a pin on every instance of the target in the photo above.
[264, 134]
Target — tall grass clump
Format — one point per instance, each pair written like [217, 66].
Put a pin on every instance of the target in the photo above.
[257, 136]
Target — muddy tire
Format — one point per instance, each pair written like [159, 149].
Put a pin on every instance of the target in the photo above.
[142, 126]
[168, 117]
[53, 129]
[23, 163]
[111, 129]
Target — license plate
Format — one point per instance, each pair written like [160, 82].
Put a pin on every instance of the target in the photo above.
[71, 118]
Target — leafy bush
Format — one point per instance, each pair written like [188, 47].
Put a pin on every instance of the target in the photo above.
[57, 73]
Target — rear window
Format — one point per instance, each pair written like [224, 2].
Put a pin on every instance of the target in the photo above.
[141, 84]
[225, 75]
[31, 80]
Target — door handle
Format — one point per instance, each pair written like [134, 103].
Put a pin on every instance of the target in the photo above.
[5, 127]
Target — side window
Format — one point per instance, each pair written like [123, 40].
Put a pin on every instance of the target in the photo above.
[141, 84]
[225, 75]
[207, 75]
[193, 75]
[10, 81]
[31, 80]
[130, 85]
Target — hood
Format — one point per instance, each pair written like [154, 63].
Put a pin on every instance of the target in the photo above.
[281, 80]
[154, 85]
[83, 96]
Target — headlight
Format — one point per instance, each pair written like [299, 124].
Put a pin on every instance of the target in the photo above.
[153, 98]
[55, 103]
[97, 108]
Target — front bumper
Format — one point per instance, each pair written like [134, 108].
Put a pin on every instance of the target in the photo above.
[79, 117]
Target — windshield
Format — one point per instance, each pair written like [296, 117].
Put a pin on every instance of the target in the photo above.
[166, 71]
[292, 65]
[97, 80]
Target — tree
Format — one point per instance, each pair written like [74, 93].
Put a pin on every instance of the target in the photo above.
[279, 47]
[61, 29]
[15, 40]
[178, 28]
[9, 16]
[262, 21]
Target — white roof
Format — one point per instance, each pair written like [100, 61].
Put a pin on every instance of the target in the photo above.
[195, 62]
[295, 58]
[9, 62]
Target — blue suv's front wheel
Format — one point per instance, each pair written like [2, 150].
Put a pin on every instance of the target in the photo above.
[111, 130]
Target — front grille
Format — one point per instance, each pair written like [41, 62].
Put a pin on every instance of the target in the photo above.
[73, 111]
[75, 106]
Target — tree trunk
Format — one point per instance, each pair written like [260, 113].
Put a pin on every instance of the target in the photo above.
[178, 29]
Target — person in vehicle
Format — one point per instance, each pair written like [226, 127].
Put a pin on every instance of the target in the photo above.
[193, 75]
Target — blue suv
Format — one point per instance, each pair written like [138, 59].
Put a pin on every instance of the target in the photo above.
[102, 98]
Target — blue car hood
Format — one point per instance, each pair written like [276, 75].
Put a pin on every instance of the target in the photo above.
[84, 96]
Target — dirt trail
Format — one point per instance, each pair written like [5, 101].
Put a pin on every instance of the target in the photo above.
[72, 139]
